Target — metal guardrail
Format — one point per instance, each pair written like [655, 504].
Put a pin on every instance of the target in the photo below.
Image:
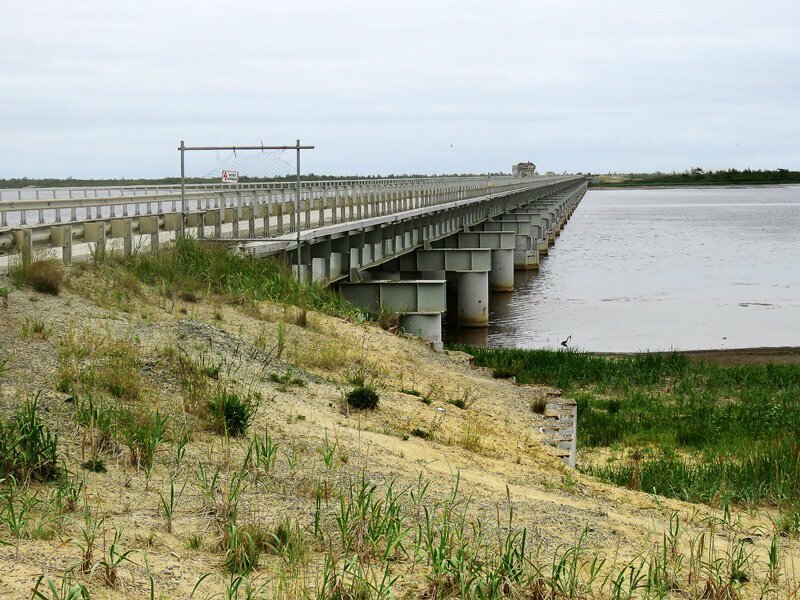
[31, 223]
[40, 206]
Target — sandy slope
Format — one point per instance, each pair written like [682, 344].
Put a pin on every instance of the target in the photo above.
[503, 454]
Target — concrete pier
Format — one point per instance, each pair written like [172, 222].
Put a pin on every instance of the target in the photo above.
[501, 277]
[473, 299]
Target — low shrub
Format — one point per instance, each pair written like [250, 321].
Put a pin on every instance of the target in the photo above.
[362, 397]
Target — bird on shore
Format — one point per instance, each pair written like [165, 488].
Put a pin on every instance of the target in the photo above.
[566, 341]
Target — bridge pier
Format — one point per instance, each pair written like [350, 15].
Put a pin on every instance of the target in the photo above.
[503, 247]
[472, 266]
[473, 298]
[526, 255]
[501, 277]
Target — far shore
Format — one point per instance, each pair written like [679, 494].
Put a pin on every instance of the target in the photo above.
[735, 356]
[658, 186]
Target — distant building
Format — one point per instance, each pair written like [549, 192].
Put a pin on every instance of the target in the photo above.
[524, 169]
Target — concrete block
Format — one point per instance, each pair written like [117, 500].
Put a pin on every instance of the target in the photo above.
[194, 219]
[214, 217]
[59, 235]
[120, 228]
[94, 231]
[172, 221]
[148, 224]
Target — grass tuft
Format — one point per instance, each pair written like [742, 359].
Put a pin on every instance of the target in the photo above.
[44, 276]
[230, 412]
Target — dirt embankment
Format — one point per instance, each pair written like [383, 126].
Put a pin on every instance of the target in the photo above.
[103, 326]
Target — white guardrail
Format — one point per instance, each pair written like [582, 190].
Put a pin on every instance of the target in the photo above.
[337, 201]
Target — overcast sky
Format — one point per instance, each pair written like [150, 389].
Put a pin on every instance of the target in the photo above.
[109, 88]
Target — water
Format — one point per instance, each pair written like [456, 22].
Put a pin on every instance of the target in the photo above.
[655, 269]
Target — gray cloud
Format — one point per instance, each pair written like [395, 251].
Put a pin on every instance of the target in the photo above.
[109, 88]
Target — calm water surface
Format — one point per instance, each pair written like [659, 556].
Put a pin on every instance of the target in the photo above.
[656, 269]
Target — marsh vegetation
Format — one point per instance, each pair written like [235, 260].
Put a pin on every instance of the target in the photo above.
[687, 429]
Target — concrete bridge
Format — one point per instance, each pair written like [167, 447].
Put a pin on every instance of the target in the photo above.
[386, 244]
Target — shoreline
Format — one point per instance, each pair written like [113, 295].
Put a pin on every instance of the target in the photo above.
[662, 186]
[732, 356]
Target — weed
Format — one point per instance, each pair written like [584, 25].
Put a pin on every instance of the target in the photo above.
[286, 379]
[288, 541]
[68, 492]
[168, 503]
[328, 452]
[281, 345]
[35, 327]
[114, 557]
[180, 447]
[261, 452]
[67, 590]
[17, 514]
[503, 373]
[88, 364]
[142, 432]
[242, 552]
[470, 438]
[411, 392]
[464, 399]
[420, 433]
[44, 276]
[28, 449]
[230, 412]
[5, 359]
[734, 426]
[195, 542]
[4, 294]
[193, 379]
[91, 527]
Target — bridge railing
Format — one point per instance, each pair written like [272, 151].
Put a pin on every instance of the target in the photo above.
[320, 203]
[40, 206]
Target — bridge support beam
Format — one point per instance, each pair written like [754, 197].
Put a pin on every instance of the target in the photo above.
[526, 255]
[472, 266]
[420, 304]
[502, 244]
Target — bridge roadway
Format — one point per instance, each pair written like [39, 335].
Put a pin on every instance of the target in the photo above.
[385, 244]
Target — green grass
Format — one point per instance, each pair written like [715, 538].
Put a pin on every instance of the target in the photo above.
[693, 430]
[231, 413]
[28, 448]
[188, 264]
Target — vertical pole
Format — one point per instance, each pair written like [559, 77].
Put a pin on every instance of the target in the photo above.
[297, 209]
[183, 176]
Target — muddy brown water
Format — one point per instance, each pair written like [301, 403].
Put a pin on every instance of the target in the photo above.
[659, 269]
